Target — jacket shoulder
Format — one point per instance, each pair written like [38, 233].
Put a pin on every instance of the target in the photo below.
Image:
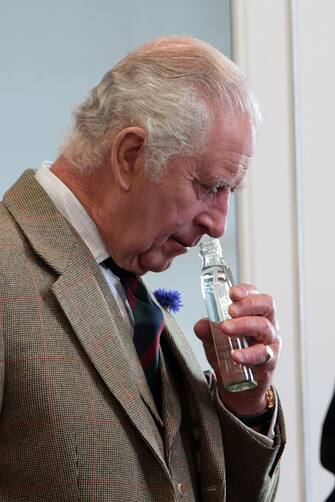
[13, 247]
[10, 234]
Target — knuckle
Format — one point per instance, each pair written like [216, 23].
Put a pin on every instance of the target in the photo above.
[270, 302]
[268, 328]
[243, 324]
[265, 332]
[250, 303]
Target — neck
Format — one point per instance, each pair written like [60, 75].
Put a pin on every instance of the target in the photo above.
[89, 188]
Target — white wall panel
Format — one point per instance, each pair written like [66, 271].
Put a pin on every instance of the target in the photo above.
[286, 215]
[317, 77]
[267, 209]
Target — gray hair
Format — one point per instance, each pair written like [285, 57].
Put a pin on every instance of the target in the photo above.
[170, 87]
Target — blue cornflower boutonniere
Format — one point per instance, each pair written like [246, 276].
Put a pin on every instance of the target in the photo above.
[169, 299]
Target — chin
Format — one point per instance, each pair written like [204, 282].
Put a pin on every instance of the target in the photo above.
[157, 265]
[161, 268]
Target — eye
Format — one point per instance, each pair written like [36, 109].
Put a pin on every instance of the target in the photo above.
[211, 190]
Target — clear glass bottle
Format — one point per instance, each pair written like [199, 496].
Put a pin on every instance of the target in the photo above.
[216, 280]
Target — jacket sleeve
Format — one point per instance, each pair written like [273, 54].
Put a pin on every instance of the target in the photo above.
[252, 464]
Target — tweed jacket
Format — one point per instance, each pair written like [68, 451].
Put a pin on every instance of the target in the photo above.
[76, 421]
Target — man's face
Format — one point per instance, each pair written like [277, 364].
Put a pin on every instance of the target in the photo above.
[159, 221]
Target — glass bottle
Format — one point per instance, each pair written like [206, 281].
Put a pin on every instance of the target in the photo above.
[216, 280]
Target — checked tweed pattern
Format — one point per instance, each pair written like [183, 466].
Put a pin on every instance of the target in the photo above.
[75, 424]
[148, 327]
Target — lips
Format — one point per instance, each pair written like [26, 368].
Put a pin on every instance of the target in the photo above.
[195, 241]
[187, 244]
[177, 245]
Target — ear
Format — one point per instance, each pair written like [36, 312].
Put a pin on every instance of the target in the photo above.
[127, 155]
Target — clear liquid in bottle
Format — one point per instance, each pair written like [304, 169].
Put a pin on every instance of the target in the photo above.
[216, 280]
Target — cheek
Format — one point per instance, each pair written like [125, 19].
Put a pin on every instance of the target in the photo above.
[190, 208]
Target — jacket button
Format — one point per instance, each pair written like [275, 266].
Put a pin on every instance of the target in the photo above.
[181, 489]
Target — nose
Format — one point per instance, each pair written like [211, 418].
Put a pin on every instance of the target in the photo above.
[213, 219]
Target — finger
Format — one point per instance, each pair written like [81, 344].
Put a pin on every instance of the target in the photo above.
[256, 355]
[203, 329]
[260, 329]
[255, 305]
[241, 290]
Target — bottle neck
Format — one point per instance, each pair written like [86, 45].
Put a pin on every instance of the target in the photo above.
[211, 260]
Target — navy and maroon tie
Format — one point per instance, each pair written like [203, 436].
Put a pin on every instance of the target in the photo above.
[148, 327]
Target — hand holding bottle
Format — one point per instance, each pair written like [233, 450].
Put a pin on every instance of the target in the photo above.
[252, 314]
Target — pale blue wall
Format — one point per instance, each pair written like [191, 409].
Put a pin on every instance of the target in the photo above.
[52, 53]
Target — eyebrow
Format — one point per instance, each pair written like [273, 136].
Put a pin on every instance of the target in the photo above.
[231, 185]
[220, 182]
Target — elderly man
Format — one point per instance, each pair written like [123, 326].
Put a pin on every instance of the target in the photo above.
[88, 411]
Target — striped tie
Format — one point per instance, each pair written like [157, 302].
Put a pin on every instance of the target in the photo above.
[149, 324]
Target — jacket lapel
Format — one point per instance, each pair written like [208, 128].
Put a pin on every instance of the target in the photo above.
[90, 307]
[84, 297]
